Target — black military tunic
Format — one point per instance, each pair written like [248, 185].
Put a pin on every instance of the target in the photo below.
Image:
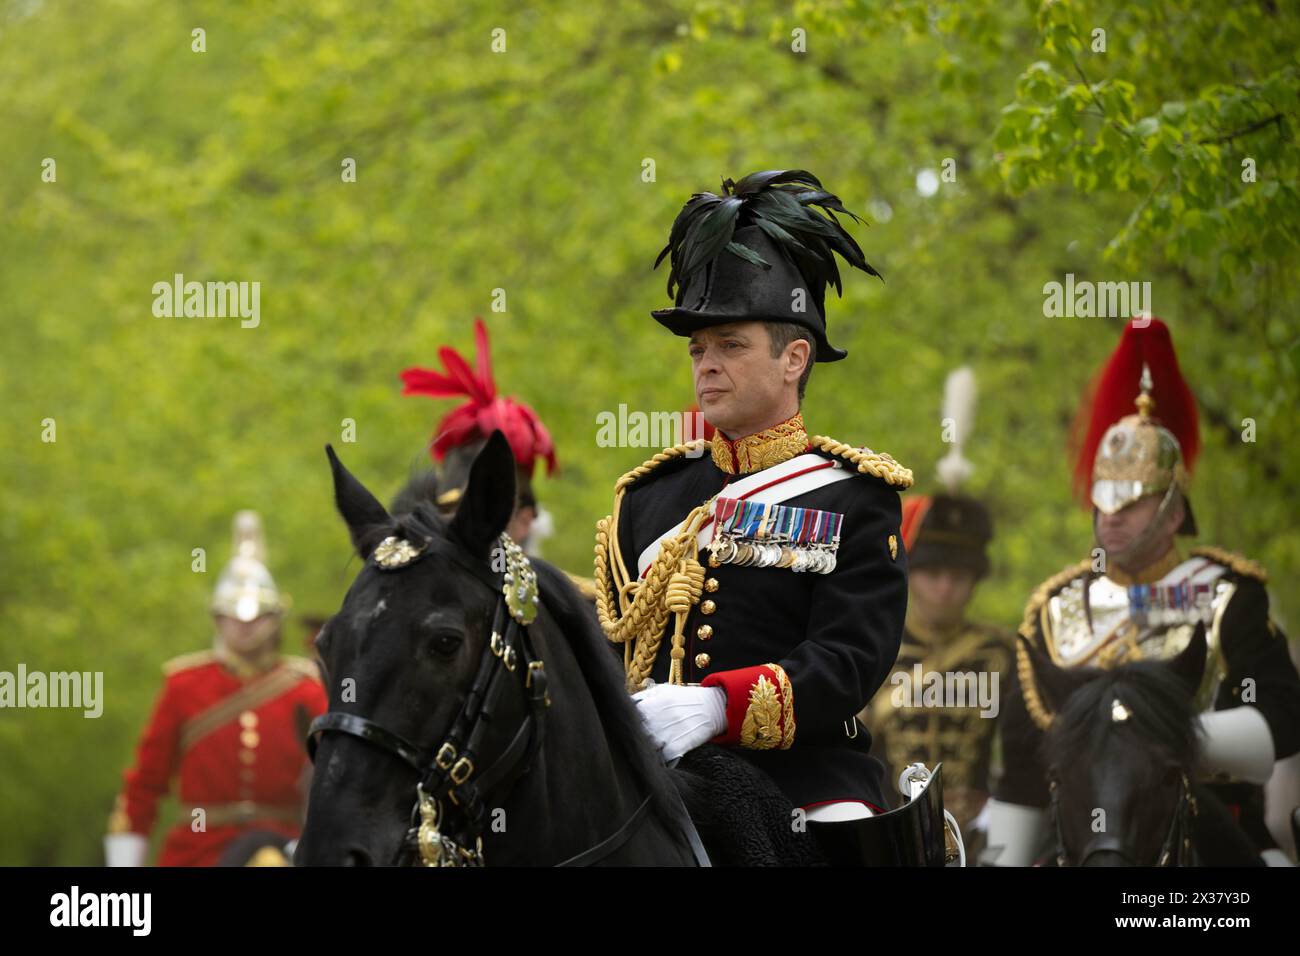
[832, 637]
[908, 728]
[1243, 643]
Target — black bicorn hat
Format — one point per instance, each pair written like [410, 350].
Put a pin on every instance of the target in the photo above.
[742, 255]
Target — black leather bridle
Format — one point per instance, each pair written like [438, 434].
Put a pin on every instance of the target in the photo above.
[450, 772]
[1176, 850]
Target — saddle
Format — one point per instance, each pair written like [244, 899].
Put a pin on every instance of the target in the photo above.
[743, 819]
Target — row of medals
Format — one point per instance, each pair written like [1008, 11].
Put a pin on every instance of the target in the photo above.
[818, 558]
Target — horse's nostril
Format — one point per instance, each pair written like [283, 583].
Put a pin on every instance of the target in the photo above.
[357, 857]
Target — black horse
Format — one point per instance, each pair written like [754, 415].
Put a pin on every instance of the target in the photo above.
[478, 713]
[523, 740]
[1121, 755]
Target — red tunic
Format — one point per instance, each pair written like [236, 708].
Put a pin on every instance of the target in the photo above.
[242, 763]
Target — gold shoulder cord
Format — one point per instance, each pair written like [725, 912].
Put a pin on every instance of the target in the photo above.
[1239, 564]
[672, 584]
[878, 465]
[1038, 711]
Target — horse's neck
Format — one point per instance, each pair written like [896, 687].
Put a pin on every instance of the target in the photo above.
[579, 790]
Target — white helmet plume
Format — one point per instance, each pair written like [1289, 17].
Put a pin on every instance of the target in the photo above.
[958, 419]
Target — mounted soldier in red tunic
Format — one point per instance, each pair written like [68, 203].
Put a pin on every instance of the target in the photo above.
[226, 730]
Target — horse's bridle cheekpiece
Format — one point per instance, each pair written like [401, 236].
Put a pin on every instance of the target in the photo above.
[451, 772]
[1177, 848]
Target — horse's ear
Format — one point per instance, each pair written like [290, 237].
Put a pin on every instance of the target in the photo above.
[1189, 665]
[1055, 683]
[360, 509]
[488, 502]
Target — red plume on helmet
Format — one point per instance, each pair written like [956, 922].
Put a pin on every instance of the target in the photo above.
[485, 411]
[1117, 386]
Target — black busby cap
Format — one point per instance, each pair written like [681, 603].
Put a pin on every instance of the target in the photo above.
[954, 531]
[739, 257]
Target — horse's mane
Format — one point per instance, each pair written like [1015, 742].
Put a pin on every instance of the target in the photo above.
[1162, 715]
[414, 516]
[578, 624]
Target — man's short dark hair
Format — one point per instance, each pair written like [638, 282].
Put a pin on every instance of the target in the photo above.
[781, 335]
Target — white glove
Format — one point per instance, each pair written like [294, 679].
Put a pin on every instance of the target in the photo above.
[125, 849]
[1014, 833]
[1237, 741]
[679, 718]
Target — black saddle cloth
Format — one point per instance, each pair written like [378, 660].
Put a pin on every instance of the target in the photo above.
[741, 816]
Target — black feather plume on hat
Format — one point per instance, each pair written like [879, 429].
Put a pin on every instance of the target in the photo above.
[778, 201]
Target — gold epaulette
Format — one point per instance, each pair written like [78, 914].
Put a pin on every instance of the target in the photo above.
[301, 665]
[1231, 559]
[586, 586]
[188, 662]
[1038, 712]
[650, 464]
[876, 464]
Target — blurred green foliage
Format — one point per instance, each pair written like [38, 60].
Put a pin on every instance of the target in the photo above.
[522, 170]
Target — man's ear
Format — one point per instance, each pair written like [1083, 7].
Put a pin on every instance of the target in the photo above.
[801, 347]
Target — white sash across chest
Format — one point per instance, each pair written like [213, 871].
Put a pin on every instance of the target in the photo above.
[798, 476]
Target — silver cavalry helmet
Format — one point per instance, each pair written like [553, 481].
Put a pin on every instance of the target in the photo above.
[245, 590]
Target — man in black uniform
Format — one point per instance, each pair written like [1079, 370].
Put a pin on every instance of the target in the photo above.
[944, 655]
[940, 704]
[757, 581]
[1144, 603]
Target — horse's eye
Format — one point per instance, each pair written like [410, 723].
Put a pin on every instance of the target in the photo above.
[445, 643]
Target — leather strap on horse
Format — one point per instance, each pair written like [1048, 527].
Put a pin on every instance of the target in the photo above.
[451, 771]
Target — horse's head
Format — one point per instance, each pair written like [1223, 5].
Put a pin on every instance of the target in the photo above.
[401, 655]
[1120, 753]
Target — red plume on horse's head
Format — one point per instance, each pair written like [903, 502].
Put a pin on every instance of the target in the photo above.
[1116, 387]
[484, 411]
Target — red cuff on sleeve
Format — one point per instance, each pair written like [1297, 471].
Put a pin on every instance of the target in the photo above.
[760, 707]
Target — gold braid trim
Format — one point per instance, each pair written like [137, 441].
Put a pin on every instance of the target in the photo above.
[755, 452]
[1238, 563]
[787, 706]
[761, 728]
[301, 666]
[672, 584]
[876, 464]
[187, 661]
[1038, 711]
[769, 718]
